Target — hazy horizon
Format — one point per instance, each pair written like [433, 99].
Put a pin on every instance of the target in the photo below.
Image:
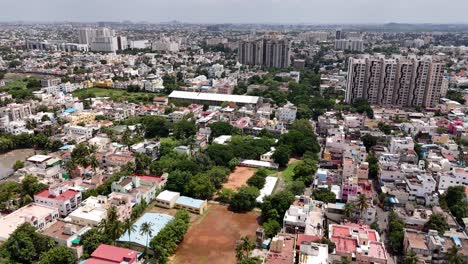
[238, 11]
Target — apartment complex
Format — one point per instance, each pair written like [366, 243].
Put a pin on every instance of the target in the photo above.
[399, 81]
[268, 52]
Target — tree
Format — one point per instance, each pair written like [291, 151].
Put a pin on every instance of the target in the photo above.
[454, 257]
[245, 199]
[220, 128]
[274, 206]
[243, 248]
[177, 180]
[373, 166]
[18, 165]
[220, 154]
[129, 226]
[375, 226]
[200, 186]
[92, 239]
[369, 141]
[155, 126]
[256, 181]
[331, 245]
[146, 229]
[437, 222]
[362, 203]
[411, 258]
[271, 227]
[30, 185]
[386, 129]
[225, 195]
[142, 162]
[296, 187]
[58, 255]
[324, 195]
[217, 175]
[281, 155]
[184, 129]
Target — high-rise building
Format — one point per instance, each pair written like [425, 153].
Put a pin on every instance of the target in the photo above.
[338, 34]
[349, 44]
[268, 52]
[102, 39]
[397, 81]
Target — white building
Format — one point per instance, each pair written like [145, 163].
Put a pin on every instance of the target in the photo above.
[397, 144]
[286, 113]
[79, 131]
[39, 216]
[60, 197]
[167, 199]
[349, 44]
[165, 45]
[458, 176]
[90, 212]
[313, 253]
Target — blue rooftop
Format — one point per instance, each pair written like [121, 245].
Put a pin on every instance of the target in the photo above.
[187, 201]
[70, 110]
[158, 221]
[66, 147]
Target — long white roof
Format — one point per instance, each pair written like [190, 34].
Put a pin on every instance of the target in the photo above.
[244, 99]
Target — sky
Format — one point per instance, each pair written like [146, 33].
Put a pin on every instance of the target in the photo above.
[237, 11]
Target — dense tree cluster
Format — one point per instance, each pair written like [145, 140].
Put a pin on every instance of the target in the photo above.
[165, 242]
[40, 141]
[396, 228]
[25, 245]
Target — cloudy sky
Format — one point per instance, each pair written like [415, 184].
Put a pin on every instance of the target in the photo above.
[238, 11]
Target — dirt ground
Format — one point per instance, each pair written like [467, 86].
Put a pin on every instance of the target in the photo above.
[212, 239]
[239, 177]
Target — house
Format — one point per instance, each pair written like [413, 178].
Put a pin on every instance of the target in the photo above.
[167, 199]
[358, 243]
[268, 156]
[140, 188]
[43, 166]
[313, 253]
[59, 196]
[106, 254]
[38, 215]
[281, 250]
[67, 235]
[305, 219]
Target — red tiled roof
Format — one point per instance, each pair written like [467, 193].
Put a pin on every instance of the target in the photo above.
[344, 244]
[67, 195]
[113, 254]
[150, 178]
[306, 238]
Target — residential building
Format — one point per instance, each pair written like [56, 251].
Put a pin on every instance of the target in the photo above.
[59, 196]
[141, 188]
[113, 255]
[313, 253]
[286, 113]
[38, 215]
[395, 82]
[349, 45]
[67, 235]
[268, 52]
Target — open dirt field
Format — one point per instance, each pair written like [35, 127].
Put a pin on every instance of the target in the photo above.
[212, 239]
[239, 177]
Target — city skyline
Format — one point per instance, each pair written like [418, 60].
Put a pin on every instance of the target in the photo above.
[239, 11]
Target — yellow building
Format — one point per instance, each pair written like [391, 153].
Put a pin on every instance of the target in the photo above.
[82, 117]
[104, 84]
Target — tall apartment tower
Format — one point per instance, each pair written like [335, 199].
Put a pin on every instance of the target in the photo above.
[403, 82]
[338, 34]
[86, 35]
[272, 53]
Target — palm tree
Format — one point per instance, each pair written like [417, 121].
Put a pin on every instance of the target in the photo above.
[129, 226]
[454, 257]
[411, 258]
[362, 203]
[349, 209]
[146, 229]
[244, 247]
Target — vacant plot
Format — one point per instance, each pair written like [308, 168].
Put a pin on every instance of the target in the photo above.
[288, 173]
[239, 177]
[118, 95]
[212, 239]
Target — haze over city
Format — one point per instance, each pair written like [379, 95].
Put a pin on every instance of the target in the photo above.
[238, 11]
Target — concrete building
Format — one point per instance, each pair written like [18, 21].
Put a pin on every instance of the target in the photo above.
[167, 199]
[313, 253]
[55, 45]
[215, 99]
[158, 221]
[268, 52]
[113, 255]
[67, 235]
[349, 45]
[59, 196]
[458, 176]
[286, 113]
[165, 44]
[395, 82]
[39, 216]
[141, 188]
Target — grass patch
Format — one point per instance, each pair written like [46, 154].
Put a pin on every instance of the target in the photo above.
[288, 173]
[117, 95]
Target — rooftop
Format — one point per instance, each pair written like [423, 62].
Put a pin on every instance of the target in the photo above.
[215, 97]
[158, 221]
[112, 254]
[67, 195]
[167, 195]
[39, 158]
[190, 202]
